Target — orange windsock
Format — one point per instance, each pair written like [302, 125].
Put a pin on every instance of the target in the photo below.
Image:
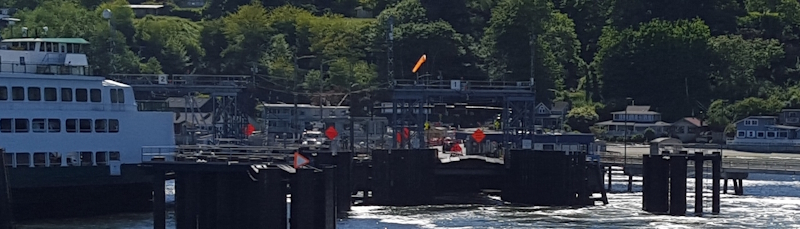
[419, 63]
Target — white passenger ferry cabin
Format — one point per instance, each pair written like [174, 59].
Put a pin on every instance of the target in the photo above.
[53, 114]
[44, 56]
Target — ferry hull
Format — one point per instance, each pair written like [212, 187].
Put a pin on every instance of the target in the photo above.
[40, 193]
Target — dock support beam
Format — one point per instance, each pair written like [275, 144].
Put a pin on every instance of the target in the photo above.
[159, 201]
[6, 221]
[716, 173]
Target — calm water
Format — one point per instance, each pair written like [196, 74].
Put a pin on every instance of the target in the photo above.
[770, 201]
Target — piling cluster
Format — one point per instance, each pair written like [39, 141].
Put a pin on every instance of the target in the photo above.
[254, 195]
[664, 182]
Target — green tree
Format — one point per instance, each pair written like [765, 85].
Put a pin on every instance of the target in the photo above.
[743, 66]
[510, 47]
[649, 134]
[663, 64]
[248, 37]
[582, 118]
[174, 42]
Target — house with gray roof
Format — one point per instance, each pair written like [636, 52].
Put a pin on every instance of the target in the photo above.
[552, 117]
[765, 130]
[636, 119]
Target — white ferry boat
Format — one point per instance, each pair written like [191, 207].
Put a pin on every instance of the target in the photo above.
[72, 141]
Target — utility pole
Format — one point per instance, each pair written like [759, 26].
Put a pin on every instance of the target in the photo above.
[294, 91]
[107, 15]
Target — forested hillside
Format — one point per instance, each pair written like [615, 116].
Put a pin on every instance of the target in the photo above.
[716, 59]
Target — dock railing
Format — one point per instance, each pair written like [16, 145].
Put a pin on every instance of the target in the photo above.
[463, 85]
[766, 165]
[183, 80]
[156, 153]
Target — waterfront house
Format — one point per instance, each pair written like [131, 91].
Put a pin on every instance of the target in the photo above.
[764, 130]
[790, 117]
[636, 119]
[141, 11]
[688, 129]
[552, 117]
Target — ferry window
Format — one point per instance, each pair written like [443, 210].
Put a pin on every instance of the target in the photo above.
[113, 126]
[50, 94]
[77, 48]
[81, 95]
[38, 125]
[18, 93]
[86, 158]
[49, 46]
[23, 159]
[55, 159]
[54, 125]
[5, 125]
[66, 94]
[113, 156]
[100, 125]
[41, 47]
[20, 125]
[3, 93]
[114, 96]
[72, 158]
[72, 125]
[101, 158]
[95, 94]
[39, 159]
[86, 125]
[69, 48]
[120, 96]
[31, 46]
[34, 94]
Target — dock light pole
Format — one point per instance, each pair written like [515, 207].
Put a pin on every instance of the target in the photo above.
[625, 139]
[107, 15]
[321, 85]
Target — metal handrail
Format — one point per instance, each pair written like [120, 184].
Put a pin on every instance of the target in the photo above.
[183, 80]
[774, 164]
[47, 69]
[468, 84]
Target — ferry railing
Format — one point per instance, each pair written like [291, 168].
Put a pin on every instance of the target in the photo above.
[47, 69]
[183, 80]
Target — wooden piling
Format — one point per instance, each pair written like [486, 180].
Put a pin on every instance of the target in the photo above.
[655, 184]
[630, 183]
[344, 184]
[159, 201]
[6, 216]
[186, 200]
[309, 200]
[403, 177]
[725, 186]
[609, 179]
[716, 170]
[677, 188]
[698, 183]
